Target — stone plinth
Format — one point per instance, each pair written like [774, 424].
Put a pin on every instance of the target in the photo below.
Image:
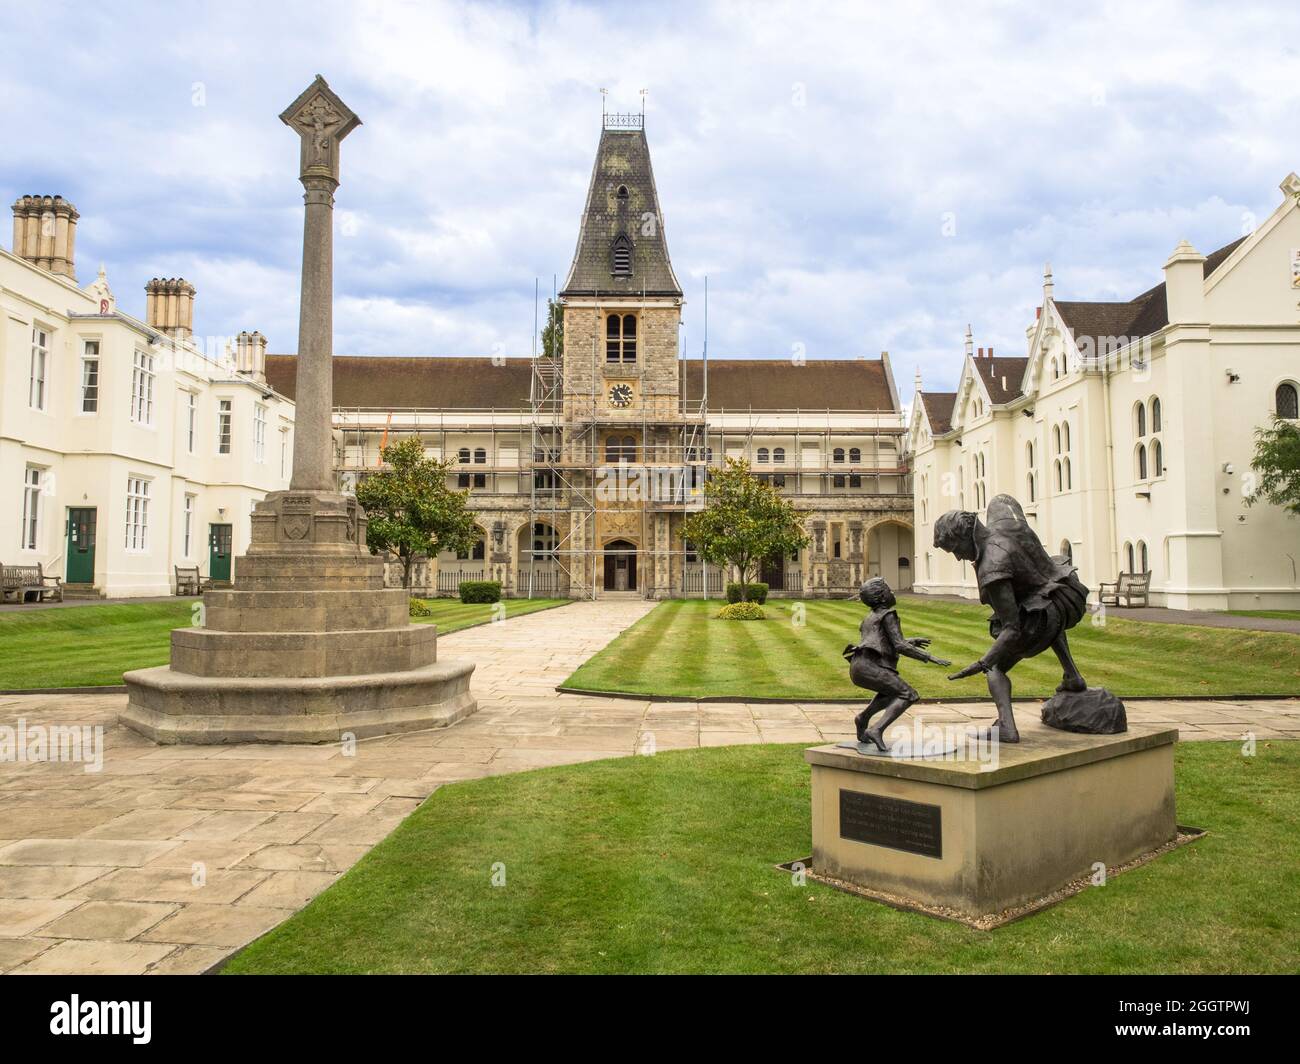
[308, 647]
[979, 840]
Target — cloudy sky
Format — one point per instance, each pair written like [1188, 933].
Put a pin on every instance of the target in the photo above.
[850, 177]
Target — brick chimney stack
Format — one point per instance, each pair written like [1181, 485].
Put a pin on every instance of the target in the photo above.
[45, 233]
[250, 355]
[169, 306]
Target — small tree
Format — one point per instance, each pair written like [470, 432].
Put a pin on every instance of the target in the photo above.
[744, 522]
[553, 330]
[410, 508]
[1277, 461]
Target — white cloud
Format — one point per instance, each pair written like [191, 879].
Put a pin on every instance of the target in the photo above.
[807, 155]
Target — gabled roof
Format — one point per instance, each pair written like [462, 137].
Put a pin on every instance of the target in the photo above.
[938, 410]
[438, 383]
[387, 383]
[1001, 377]
[622, 202]
[1097, 325]
[778, 384]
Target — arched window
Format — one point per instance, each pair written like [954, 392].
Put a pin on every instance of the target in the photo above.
[1065, 436]
[1067, 552]
[620, 338]
[620, 449]
[622, 192]
[1029, 454]
[480, 456]
[1056, 439]
[1155, 413]
[621, 256]
[1029, 487]
[1056, 369]
[778, 455]
[1140, 415]
[1056, 471]
[1069, 477]
[1287, 401]
[855, 455]
[1157, 459]
[1128, 555]
[837, 455]
[463, 455]
[1141, 462]
[1142, 557]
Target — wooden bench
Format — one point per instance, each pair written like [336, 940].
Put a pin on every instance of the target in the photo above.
[17, 582]
[1131, 587]
[189, 581]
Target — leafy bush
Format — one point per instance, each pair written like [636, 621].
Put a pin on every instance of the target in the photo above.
[757, 592]
[420, 608]
[480, 591]
[742, 611]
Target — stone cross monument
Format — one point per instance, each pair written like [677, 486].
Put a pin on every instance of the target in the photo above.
[308, 645]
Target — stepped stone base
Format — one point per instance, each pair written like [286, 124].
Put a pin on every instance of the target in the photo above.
[175, 707]
[308, 647]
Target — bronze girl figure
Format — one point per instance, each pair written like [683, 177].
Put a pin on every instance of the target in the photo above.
[873, 662]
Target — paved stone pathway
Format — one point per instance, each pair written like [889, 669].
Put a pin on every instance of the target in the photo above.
[171, 858]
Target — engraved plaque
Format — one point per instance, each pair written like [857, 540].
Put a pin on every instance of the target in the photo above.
[896, 823]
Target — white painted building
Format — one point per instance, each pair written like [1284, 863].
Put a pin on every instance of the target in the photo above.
[1126, 430]
[125, 448]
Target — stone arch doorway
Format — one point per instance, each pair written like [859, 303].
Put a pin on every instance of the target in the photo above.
[889, 553]
[620, 566]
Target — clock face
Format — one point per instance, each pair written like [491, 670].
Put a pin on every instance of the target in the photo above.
[620, 395]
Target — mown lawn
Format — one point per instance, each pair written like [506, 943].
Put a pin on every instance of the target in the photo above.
[680, 649]
[1279, 615]
[90, 646]
[664, 864]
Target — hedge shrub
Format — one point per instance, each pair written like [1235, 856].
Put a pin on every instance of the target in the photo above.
[480, 591]
[757, 592]
[742, 611]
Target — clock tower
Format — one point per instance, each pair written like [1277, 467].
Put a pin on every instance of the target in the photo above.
[622, 411]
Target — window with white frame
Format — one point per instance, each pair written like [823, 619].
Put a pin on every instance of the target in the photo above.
[90, 377]
[137, 514]
[40, 365]
[223, 426]
[191, 420]
[142, 388]
[31, 527]
[259, 433]
[284, 452]
[188, 528]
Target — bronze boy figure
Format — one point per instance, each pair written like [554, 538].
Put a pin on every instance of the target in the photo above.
[873, 663]
[1035, 598]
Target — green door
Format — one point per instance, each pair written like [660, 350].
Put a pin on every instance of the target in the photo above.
[219, 539]
[81, 545]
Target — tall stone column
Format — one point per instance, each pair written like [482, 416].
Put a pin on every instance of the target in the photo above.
[308, 646]
[321, 121]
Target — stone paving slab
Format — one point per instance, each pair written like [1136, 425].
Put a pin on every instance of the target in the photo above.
[171, 858]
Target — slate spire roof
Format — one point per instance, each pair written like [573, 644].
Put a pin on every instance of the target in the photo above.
[622, 209]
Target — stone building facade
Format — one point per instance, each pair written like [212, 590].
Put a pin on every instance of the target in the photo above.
[582, 463]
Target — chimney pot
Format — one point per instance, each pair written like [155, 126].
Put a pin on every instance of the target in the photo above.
[250, 355]
[169, 306]
[45, 233]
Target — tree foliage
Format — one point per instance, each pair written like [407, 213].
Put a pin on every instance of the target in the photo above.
[1277, 465]
[744, 522]
[553, 330]
[410, 508]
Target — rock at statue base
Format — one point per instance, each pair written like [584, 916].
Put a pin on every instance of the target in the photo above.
[1094, 712]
